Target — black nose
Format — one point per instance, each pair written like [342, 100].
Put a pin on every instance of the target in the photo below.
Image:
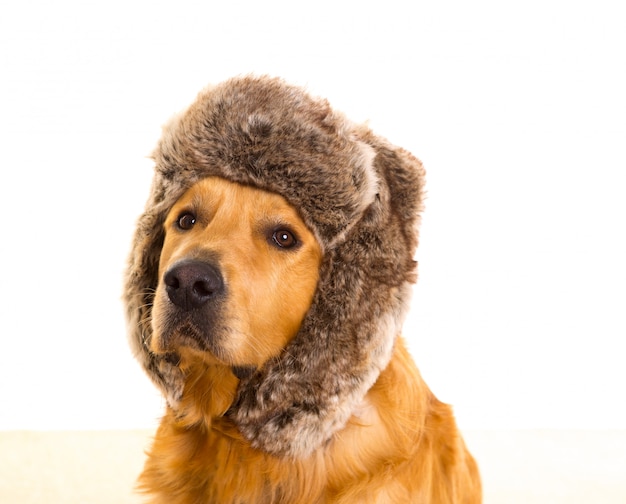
[191, 283]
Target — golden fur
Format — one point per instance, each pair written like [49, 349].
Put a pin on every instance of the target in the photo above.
[401, 444]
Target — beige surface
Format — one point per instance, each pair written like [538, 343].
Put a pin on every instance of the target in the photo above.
[551, 466]
[517, 466]
[71, 467]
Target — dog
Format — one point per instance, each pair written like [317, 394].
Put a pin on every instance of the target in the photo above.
[266, 289]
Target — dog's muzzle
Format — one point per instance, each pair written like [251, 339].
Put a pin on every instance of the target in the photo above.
[195, 288]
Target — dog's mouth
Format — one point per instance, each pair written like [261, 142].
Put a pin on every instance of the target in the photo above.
[188, 340]
[180, 338]
[185, 334]
[189, 335]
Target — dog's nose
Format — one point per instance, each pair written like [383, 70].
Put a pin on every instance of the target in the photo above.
[190, 284]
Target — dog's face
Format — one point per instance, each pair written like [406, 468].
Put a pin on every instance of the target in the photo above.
[237, 273]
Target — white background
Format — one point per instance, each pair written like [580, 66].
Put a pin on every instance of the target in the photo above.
[518, 111]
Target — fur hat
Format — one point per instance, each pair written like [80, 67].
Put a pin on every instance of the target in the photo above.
[357, 193]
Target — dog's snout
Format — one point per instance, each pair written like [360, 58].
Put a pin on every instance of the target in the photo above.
[190, 284]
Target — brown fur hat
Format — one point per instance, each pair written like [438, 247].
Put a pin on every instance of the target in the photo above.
[357, 193]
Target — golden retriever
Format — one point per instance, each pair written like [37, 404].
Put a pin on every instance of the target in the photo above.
[231, 281]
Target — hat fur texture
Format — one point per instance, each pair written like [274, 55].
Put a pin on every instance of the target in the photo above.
[359, 195]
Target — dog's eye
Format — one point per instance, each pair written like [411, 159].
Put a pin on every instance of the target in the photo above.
[284, 238]
[186, 220]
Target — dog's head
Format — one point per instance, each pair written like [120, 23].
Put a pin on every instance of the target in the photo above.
[310, 191]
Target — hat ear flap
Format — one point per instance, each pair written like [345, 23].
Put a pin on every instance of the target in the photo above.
[298, 400]
[140, 287]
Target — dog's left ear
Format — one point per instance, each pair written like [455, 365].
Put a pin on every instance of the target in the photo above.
[296, 402]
